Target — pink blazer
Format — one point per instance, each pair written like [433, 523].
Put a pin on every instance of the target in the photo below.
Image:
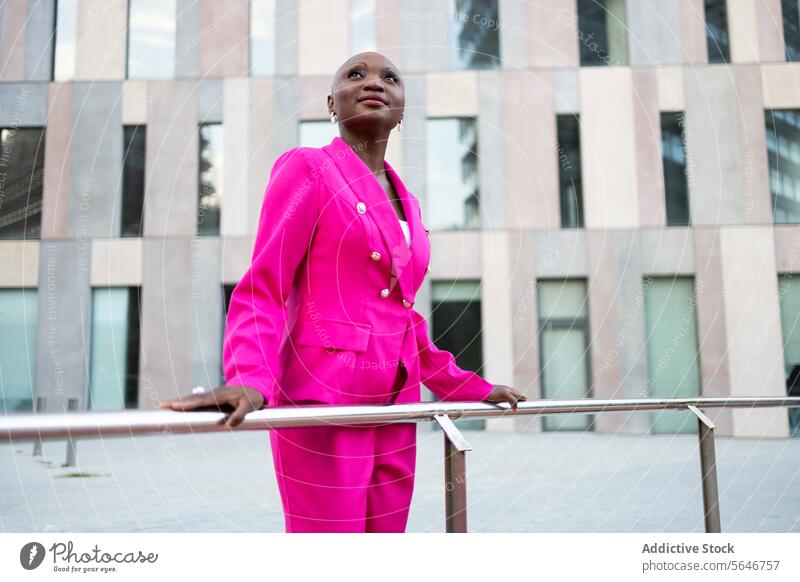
[325, 312]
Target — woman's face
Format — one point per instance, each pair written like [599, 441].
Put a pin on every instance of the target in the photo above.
[368, 93]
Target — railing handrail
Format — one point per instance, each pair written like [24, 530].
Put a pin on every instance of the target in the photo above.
[43, 425]
[74, 425]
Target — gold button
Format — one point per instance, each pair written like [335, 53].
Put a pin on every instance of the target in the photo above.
[406, 303]
[361, 207]
[384, 293]
[375, 255]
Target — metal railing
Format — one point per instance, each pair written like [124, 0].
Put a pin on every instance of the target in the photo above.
[81, 425]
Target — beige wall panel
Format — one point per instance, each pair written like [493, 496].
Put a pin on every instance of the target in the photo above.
[100, 40]
[13, 40]
[165, 361]
[752, 315]
[531, 150]
[236, 212]
[693, 31]
[116, 262]
[236, 253]
[608, 148]
[780, 85]
[512, 34]
[711, 324]
[452, 93]
[224, 38]
[756, 30]
[787, 248]
[171, 166]
[387, 30]
[455, 255]
[324, 38]
[19, 263]
[425, 35]
[552, 33]
[602, 286]
[313, 104]
[134, 102]
[524, 332]
[670, 88]
[757, 203]
[496, 314]
[714, 152]
[667, 251]
[55, 210]
[561, 253]
[770, 30]
[649, 163]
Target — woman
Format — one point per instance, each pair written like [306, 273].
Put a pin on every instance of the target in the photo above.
[340, 253]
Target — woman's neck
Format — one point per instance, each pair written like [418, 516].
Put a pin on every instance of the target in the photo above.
[371, 149]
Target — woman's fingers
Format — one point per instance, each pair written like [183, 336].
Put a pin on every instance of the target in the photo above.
[237, 416]
[512, 400]
[513, 397]
[194, 401]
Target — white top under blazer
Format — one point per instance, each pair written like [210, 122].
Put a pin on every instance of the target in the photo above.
[404, 226]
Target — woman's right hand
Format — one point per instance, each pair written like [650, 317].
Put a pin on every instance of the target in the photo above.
[243, 399]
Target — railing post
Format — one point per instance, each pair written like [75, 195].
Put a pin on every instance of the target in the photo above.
[37, 444]
[708, 470]
[72, 405]
[455, 475]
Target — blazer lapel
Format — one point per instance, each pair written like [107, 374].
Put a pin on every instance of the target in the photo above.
[368, 190]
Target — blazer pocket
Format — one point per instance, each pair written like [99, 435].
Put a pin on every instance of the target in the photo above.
[335, 334]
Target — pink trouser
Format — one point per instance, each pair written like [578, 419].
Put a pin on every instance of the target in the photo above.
[345, 478]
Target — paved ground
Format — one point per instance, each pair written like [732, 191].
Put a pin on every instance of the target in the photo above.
[545, 482]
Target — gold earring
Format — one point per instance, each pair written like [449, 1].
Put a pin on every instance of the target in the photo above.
[333, 117]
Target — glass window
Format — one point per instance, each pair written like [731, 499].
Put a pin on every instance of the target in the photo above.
[673, 155]
[783, 153]
[789, 295]
[18, 314]
[362, 21]
[569, 170]
[456, 327]
[317, 133]
[791, 28]
[113, 382]
[672, 355]
[602, 32]
[475, 34]
[133, 179]
[151, 39]
[21, 182]
[452, 173]
[262, 37]
[717, 31]
[564, 348]
[211, 175]
[66, 22]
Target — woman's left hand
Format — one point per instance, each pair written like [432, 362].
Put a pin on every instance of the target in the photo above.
[502, 393]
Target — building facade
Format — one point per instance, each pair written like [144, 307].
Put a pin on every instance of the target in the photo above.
[613, 188]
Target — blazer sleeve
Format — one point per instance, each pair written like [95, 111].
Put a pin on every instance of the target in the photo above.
[440, 373]
[257, 313]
